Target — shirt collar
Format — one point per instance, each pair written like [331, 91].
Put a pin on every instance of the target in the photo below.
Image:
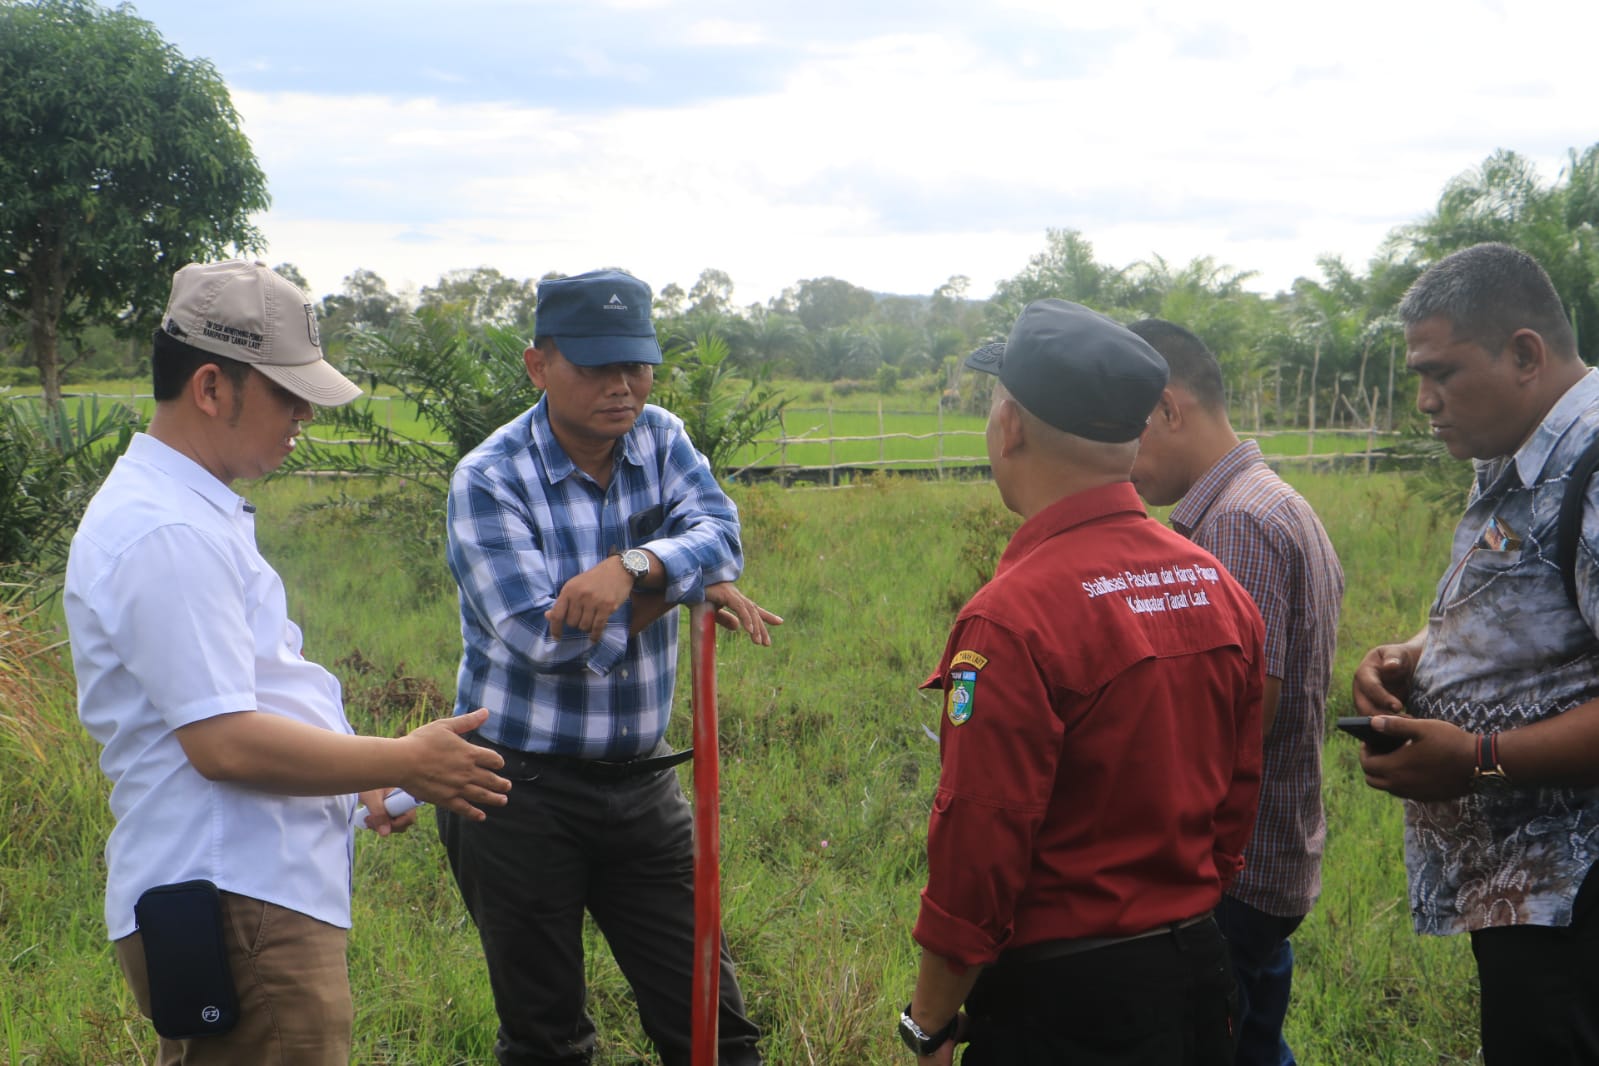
[1186, 516]
[1532, 456]
[557, 464]
[168, 460]
[1075, 510]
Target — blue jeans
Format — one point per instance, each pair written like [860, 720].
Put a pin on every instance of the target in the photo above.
[1263, 961]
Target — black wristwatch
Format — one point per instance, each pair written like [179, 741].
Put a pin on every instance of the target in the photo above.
[921, 1042]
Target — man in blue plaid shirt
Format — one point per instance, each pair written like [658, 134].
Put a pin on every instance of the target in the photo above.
[575, 530]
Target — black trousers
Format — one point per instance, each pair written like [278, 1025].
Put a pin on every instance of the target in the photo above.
[1540, 989]
[623, 850]
[1166, 1000]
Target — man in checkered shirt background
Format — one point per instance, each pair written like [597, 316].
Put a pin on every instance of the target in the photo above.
[1229, 502]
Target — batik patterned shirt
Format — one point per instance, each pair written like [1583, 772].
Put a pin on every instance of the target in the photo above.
[523, 520]
[1268, 537]
[1506, 648]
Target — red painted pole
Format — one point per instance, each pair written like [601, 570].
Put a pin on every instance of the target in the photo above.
[707, 835]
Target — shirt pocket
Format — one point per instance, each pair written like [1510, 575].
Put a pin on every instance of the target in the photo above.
[1502, 561]
[641, 524]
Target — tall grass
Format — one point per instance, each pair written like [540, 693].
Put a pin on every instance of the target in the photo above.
[827, 776]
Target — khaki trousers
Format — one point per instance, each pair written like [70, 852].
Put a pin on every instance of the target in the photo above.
[293, 983]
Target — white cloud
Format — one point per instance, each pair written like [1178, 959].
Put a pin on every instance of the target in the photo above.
[724, 33]
[1258, 135]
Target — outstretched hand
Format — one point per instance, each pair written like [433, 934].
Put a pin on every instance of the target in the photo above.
[451, 772]
[736, 611]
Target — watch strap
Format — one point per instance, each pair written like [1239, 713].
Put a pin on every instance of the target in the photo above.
[1488, 766]
[921, 1041]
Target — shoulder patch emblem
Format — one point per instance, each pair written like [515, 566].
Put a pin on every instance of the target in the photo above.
[961, 700]
[969, 658]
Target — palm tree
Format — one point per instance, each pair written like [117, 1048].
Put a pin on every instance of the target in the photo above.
[766, 338]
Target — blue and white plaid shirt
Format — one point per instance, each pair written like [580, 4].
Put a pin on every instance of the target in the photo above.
[523, 520]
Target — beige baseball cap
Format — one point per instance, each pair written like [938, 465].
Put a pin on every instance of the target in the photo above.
[242, 310]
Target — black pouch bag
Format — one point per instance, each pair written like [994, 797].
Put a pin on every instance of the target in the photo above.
[191, 987]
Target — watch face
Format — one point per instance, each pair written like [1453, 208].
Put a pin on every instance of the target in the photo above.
[921, 1042]
[911, 1036]
[636, 563]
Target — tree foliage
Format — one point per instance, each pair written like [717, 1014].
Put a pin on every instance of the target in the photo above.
[51, 464]
[828, 303]
[486, 297]
[1066, 269]
[463, 385]
[123, 161]
[722, 412]
[363, 301]
[465, 382]
[1504, 199]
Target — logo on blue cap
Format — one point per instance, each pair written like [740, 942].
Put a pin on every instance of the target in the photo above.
[598, 318]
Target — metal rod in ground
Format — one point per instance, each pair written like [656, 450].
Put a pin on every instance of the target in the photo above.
[707, 835]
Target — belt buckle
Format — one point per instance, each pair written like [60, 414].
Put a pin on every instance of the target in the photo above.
[608, 769]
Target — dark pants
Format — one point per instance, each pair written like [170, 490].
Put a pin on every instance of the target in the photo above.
[1166, 1000]
[1540, 989]
[622, 849]
[1263, 960]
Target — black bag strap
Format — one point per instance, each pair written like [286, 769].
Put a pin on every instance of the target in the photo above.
[1568, 528]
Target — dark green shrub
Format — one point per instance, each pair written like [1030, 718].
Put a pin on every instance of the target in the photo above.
[51, 463]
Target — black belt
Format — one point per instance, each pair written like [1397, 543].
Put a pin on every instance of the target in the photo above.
[530, 763]
[1054, 949]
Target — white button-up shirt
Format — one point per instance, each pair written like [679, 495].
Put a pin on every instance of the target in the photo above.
[175, 617]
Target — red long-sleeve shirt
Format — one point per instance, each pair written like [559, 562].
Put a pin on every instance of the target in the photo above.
[1101, 744]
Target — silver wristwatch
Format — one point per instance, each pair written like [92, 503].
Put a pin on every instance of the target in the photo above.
[921, 1042]
[636, 563]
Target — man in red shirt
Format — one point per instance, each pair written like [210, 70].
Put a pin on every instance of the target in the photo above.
[1101, 745]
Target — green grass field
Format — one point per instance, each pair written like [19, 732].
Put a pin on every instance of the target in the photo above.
[827, 776]
[902, 430]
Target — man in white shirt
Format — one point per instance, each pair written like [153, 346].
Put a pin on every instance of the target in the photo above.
[230, 758]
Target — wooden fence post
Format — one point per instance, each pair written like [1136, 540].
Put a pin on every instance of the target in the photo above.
[882, 440]
[1388, 422]
[832, 460]
[782, 448]
[1315, 366]
[1371, 429]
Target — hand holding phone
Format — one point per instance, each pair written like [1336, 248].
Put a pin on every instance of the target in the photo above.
[1360, 726]
[395, 803]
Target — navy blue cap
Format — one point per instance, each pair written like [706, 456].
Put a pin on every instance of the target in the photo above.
[598, 318]
[1077, 370]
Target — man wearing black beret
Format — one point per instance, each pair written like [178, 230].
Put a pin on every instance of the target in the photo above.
[1100, 741]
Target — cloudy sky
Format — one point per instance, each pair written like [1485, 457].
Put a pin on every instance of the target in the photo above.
[890, 143]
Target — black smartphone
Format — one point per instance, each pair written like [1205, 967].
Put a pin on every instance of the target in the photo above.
[186, 958]
[641, 524]
[1360, 726]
